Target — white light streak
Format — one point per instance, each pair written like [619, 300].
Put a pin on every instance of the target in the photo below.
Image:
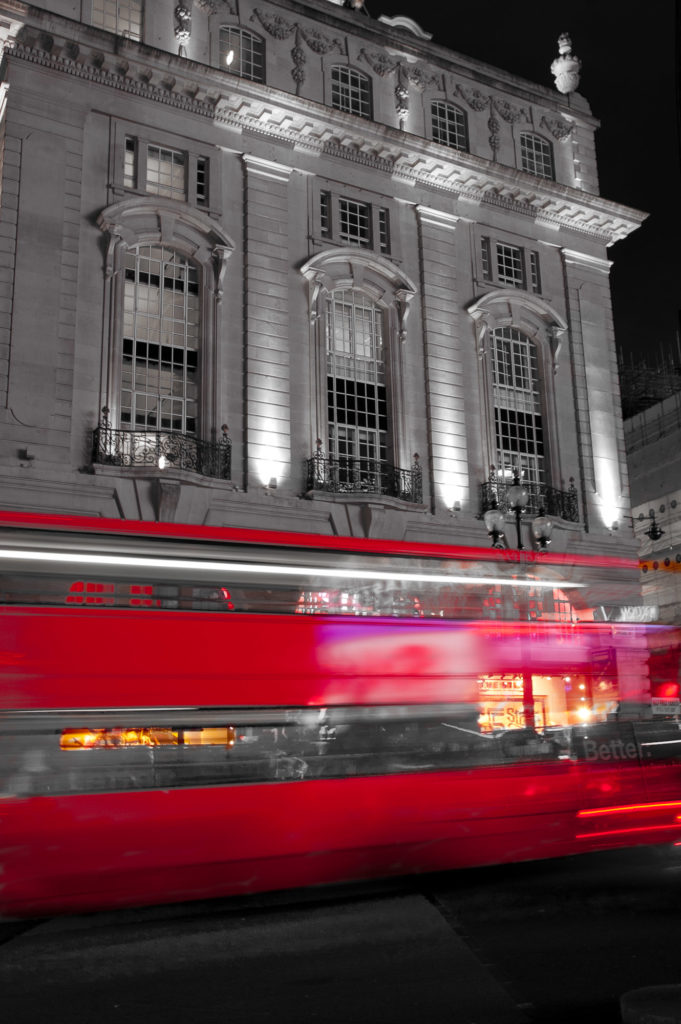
[259, 569]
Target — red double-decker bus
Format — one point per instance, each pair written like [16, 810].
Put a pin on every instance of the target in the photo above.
[190, 712]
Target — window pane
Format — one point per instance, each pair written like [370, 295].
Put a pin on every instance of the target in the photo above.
[166, 172]
[159, 376]
[242, 53]
[350, 91]
[355, 223]
[536, 156]
[124, 17]
[518, 420]
[357, 399]
[449, 125]
[510, 265]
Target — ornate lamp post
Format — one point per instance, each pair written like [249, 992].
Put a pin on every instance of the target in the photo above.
[517, 499]
[541, 530]
[494, 521]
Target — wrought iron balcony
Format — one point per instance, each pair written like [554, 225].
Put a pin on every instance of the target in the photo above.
[561, 504]
[162, 449]
[364, 476]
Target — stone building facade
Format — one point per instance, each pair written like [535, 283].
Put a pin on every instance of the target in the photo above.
[275, 263]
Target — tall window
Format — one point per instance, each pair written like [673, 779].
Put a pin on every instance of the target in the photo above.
[518, 424]
[242, 53]
[159, 374]
[536, 156]
[350, 91]
[357, 399]
[449, 125]
[124, 17]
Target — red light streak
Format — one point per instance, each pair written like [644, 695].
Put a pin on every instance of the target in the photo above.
[626, 808]
[629, 831]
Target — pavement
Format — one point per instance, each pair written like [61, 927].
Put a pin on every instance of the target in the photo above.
[658, 1004]
[392, 960]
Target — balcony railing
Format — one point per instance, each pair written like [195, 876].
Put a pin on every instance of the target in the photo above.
[162, 449]
[553, 502]
[364, 476]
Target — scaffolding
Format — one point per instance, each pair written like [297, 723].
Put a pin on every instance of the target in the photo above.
[643, 385]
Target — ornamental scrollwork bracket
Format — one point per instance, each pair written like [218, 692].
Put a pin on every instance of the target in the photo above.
[403, 297]
[555, 338]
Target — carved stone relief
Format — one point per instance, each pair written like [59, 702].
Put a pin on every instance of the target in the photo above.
[407, 74]
[279, 28]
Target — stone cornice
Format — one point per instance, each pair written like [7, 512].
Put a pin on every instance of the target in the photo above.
[238, 105]
[305, 125]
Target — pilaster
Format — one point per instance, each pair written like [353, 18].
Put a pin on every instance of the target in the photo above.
[444, 372]
[266, 295]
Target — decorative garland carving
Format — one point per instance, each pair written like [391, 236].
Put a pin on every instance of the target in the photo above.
[560, 129]
[383, 64]
[213, 6]
[475, 99]
[480, 101]
[508, 112]
[279, 28]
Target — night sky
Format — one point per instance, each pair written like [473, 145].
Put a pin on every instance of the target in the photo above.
[629, 77]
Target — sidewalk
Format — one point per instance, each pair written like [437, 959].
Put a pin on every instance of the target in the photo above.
[391, 960]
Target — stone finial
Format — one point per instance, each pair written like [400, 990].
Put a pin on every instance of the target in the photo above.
[566, 67]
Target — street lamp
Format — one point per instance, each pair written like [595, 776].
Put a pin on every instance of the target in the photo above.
[541, 530]
[517, 499]
[494, 521]
[655, 531]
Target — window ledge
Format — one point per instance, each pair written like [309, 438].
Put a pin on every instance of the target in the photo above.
[365, 499]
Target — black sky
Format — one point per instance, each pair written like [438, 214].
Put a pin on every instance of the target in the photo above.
[630, 78]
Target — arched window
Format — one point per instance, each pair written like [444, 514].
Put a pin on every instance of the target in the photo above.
[536, 156]
[124, 17]
[162, 399]
[518, 419]
[160, 351]
[350, 91]
[519, 341]
[359, 305]
[356, 388]
[449, 125]
[242, 53]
